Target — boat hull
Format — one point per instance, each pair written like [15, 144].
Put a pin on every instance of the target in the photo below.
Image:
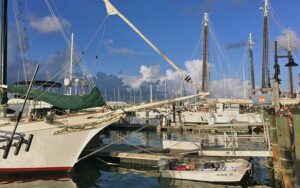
[49, 151]
[207, 176]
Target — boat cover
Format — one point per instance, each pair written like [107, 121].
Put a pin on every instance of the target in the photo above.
[94, 99]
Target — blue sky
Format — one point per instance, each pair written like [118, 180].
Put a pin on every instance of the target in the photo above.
[172, 25]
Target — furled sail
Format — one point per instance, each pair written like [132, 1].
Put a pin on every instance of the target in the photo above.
[94, 99]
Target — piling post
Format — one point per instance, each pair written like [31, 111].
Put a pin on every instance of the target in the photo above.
[147, 117]
[296, 132]
[174, 113]
[285, 149]
[275, 148]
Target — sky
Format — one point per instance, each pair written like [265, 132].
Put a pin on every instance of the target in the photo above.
[174, 26]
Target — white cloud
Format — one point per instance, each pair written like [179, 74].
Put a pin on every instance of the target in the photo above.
[133, 81]
[148, 74]
[48, 24]
[295, 40]
[229, 87]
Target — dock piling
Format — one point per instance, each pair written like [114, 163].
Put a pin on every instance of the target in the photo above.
[285, 149]
[296, 131]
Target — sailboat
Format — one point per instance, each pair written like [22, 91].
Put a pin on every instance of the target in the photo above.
[56, 143]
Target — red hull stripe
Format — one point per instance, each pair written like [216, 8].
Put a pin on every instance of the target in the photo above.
[35, 169]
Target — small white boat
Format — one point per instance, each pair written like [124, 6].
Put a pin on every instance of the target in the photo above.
[212, 171]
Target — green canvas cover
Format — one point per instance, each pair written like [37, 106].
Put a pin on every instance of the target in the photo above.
[94, 99]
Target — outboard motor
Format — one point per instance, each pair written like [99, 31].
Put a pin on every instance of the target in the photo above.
[163, 163]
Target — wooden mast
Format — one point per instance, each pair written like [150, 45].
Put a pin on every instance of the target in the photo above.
[4, 54]
[251, 64]
[265, 69]
[290, 67]
[204, 53]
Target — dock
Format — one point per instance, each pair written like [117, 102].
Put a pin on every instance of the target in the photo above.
[138, 155]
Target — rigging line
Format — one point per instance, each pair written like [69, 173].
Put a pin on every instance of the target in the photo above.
[95, 34]
[123, 138]
[221, 49]
[48, 88]
[96, 151]
[218, 48]
[196, 48]
[51, 78]
[277, 21]
[19, 37]
[58, 13]
[47, 82]
[101, 39]
[218, 60]
[76, 56]
[243, 59]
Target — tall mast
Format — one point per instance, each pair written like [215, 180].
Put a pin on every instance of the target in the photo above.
[141, 97]
[251, 43]
[290, 67]
[265, 68]
[71, 61]
[4, 52]
[151, 98]
[204, 53]
[166, 89]
[111, 10]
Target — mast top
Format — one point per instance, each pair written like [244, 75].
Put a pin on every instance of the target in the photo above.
[289, 46]
[111, 10]
[266, 8]
[251, 43]
[205, 19]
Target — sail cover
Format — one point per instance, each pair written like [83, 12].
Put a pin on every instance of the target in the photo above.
[94, 99]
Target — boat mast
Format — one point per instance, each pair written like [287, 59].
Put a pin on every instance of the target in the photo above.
[204, 53]
[251, 43]
[141, 98]
[4, 51]
[165, 89]
[151, 98]
[71, 62]
[111, 10]
[290, 67]
[265, 69]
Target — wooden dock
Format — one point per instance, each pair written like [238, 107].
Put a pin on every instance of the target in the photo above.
[144, 155]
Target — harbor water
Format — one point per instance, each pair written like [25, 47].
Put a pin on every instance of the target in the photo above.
[93, 172]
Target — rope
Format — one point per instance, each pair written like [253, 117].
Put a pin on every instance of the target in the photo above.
[20, 37]
[123, 138]
[101, 40]
[77, 58]
[96, 151]
[218, 44]
[115, 164]
[95, 34]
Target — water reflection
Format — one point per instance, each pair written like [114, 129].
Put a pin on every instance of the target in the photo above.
[93, 173]
[37, 180]
[122, 176]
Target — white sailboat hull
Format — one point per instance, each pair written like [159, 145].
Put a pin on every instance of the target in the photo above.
[232, 172]
[49, 152]
[219, 118]
[207, 176]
